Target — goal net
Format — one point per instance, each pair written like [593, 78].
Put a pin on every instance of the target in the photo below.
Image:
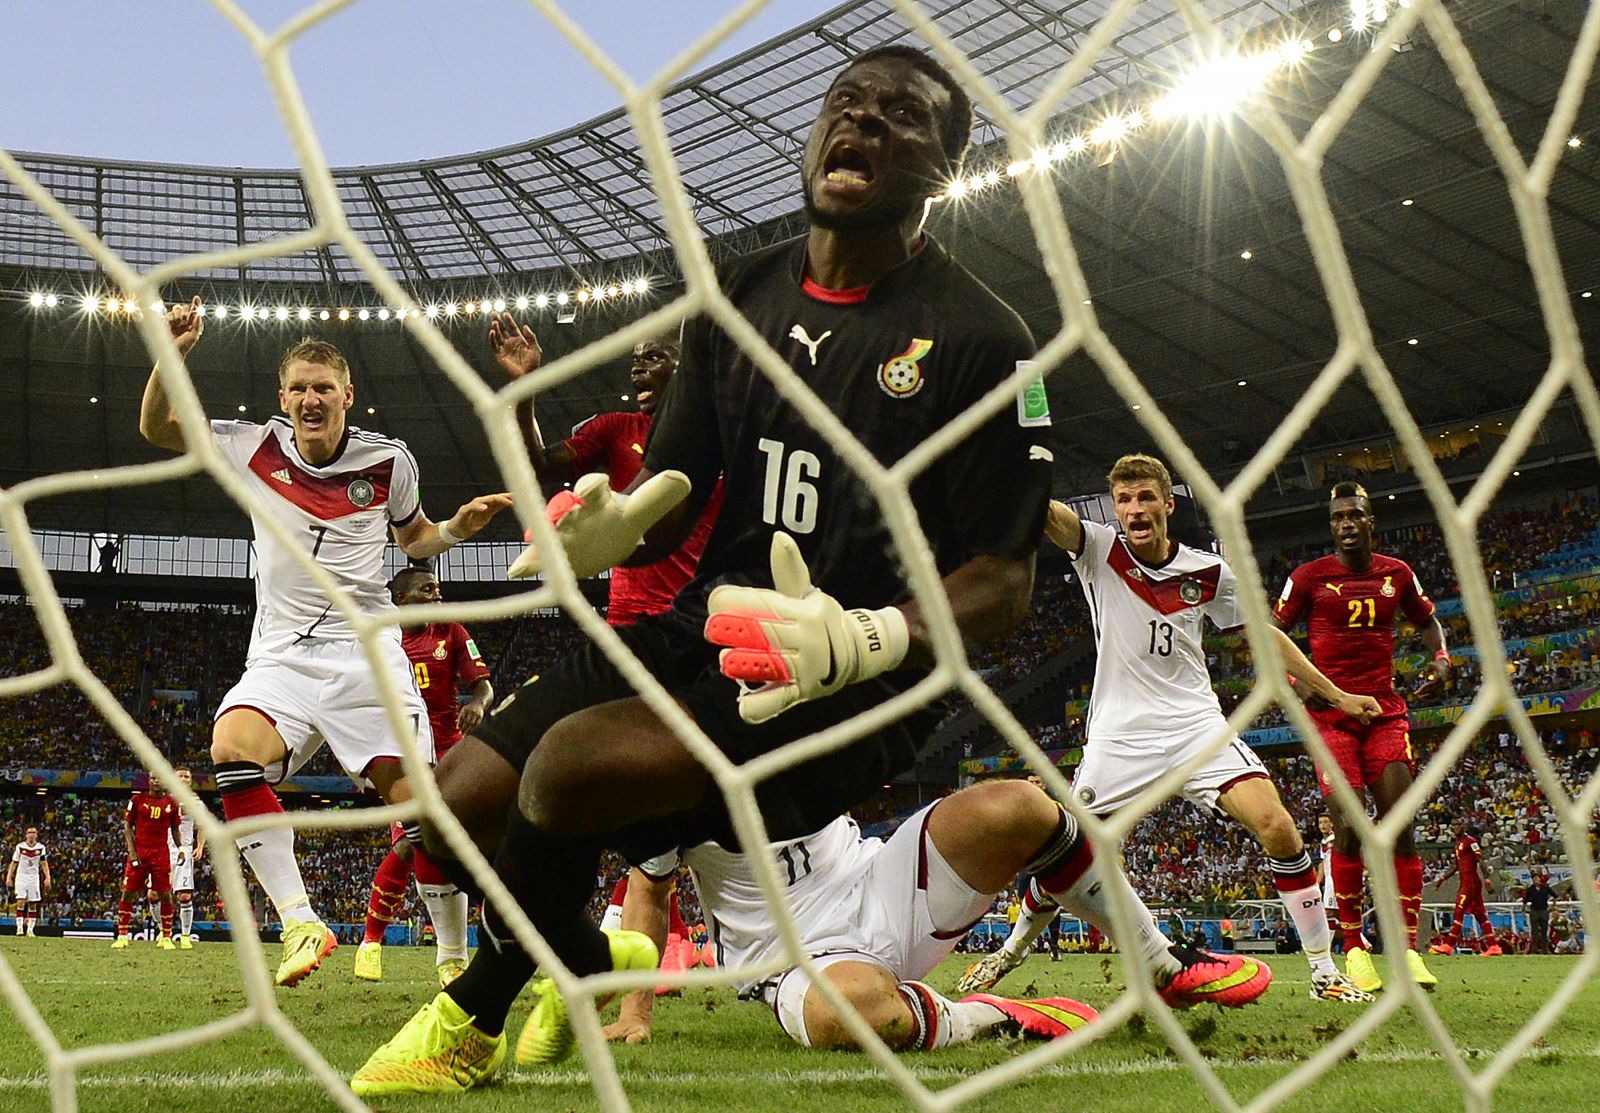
[1030, 146]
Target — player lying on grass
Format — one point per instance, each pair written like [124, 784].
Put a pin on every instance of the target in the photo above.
[800, 585]
[878, 915]
[1154, 706]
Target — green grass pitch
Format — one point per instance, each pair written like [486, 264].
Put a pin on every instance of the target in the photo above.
[712, 1052]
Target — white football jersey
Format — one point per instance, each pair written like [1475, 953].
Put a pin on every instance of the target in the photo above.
[28, 859]
[737, 911]
[185, 832]
[1150, 677]
[1328, 898]
[341, 512]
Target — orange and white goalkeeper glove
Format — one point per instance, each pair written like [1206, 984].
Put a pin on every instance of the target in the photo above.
[794, 642]
[599, 529]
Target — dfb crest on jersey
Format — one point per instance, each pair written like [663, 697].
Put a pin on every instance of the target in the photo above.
[901, 377]
[360, 493]
[1388, 587]
[1086, 794]
[1189, 592]
[442, 650]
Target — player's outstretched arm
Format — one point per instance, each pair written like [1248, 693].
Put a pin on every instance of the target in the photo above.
[1364, 708]
[646, 907]
[473, 711]
[158, 423]
[1064, 528]
[516, 349]
[600, 529]
[422, 537]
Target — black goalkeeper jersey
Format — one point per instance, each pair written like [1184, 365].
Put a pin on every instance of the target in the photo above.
[926, 342]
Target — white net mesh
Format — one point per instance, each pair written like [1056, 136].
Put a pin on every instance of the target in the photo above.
[1025, 132]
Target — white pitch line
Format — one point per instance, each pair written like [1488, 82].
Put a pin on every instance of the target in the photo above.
[274, 1077]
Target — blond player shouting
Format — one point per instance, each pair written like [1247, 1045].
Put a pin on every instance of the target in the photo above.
[340, 492]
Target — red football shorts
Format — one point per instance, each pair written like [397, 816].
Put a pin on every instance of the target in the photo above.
[155, 873]
[1363, 752]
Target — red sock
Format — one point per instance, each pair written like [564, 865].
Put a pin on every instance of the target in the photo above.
[675, 924]
[256, 800]
[1347, 890]
[124, 916]
[1408, 874]
[428, 871]
[166, 921]
[388, 894]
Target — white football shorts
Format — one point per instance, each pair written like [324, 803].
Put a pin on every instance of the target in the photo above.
[182, 875]
[1113, 773]
[317, 691]
[28, 890]
[899, 904]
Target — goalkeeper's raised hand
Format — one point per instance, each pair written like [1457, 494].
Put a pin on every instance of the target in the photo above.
[599, 529]
[793, 642]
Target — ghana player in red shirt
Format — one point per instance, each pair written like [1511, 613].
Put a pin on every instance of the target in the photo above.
[151, 816]
[444, 659]
[1350, 601]
[614, 443]
[1469, 898]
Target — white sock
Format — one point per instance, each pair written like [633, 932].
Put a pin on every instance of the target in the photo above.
[1031, 923]
[941, 1022]
[447, 908]
[186, 918]
[1303, 902]
[271, 857]
[1090, 899]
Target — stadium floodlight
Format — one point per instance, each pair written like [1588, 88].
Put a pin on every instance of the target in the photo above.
[1018, 168]
[642, 282]
[1109, 130]
[344, 314]
[431, 312]
[303, 313]
[1077, 145]
[324, 315]
[262, 313]
[522, 302]
[613, 291]
[451, 309]
[956, 190]
[383, 313]
[113, 305]
[51, 301]
[471, 307]
[1335, 35]
[499, 305]
[583, 296]
[363, 314]
[1218, 86]
[1574, 142]
[281, 313]
[220, 311]
[36, 299]
[91, 302]
[991, 177]
[539, 302]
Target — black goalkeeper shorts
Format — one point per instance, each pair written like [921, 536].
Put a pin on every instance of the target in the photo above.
[794, 803]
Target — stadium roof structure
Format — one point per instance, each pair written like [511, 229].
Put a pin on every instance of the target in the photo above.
[1187, 233]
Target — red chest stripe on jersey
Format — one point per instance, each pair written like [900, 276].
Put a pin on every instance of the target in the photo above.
[1164, 595]
[325, 497]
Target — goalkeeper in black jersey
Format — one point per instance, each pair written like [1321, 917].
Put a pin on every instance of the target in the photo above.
[800, 616]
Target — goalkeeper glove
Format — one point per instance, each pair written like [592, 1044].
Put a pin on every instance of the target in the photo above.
[599, 529]
[793, 642]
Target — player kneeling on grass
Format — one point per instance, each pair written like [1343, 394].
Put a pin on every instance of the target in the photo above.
[877, 916]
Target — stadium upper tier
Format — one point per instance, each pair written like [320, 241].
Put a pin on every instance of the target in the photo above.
[584, 196]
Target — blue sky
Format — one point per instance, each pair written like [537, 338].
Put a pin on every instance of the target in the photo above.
[385, 80]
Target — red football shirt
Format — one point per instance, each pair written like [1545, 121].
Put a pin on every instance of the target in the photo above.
[1350, 619]
[614, 443]
[1467, 860]
[443, 659]
[152, 818]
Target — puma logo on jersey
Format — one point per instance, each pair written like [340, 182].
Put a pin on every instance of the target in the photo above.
[1337, 589]
[637, 448]
[282, 476]
[799, 333]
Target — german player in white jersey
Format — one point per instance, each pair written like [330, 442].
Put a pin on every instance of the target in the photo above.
[1153, 706]
[341, 492]
[878, 915]
[184, 851]
[28, 878]
[1330, 900]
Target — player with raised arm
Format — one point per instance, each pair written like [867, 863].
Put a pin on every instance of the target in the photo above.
[1350, 601]
[184, 851]
[1466, 863]
[1153, 706]
[444, 659]
[341, 491]
[612, 445]
[28, 878]
[149, 824]
[808, 604]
